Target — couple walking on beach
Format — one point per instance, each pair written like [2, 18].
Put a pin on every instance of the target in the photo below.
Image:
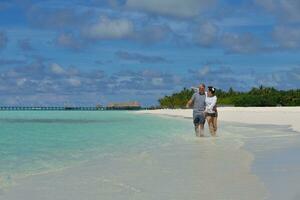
[204, 109]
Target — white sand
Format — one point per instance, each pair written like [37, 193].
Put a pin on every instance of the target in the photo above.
[251, 115]
[202, 169]
[278, 165]
[186, 168]
[183, 168]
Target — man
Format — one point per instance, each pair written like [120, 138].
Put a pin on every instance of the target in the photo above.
[198, 103]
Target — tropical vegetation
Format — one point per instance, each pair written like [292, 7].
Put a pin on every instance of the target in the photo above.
[261, 96]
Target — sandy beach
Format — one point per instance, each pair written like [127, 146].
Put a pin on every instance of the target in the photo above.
[255, 156]
[271, 135]
[250, 115]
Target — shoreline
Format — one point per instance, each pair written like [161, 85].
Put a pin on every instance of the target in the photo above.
[289, 116]
[272, 140]
[167, 172]
[179, 168]
[243, 155]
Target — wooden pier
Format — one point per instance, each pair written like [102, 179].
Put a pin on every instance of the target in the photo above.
[53, 108]
[57, 108]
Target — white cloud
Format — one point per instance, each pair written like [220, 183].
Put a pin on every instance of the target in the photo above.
[240, 43]
[109, 29]
[201, 72]
[285, 9]
[206, 34]
[57, 17]
[152, 34]
[21, 81]
[287, 37]
[68, 40]
[39, 79]
[157, 81]
[204, 71]
[173, 8]
[287, 78]
[57, 69]
[74, 82]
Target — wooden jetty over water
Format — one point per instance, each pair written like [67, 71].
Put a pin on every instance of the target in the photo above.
[70, 108]
[49, 108]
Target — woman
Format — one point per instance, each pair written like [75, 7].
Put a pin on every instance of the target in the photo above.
[211, 110]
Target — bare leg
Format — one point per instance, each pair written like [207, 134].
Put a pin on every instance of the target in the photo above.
[197, 131]
[201, 130]
[211, 125]
[215, 123]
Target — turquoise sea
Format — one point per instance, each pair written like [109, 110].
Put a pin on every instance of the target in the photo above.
[111, 155]
[34, 142]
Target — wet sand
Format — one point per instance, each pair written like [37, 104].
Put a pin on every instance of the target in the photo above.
[242, 163]
[271, 135]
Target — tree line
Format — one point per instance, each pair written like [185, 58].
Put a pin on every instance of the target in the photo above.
[257, 96]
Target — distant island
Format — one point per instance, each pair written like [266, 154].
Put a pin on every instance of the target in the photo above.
[260, 97]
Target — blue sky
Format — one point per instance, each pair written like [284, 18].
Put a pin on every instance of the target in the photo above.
[99, 51]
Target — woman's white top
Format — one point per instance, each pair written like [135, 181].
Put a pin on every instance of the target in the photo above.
[210, 104]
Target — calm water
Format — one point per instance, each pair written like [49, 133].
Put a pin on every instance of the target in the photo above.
[124, 155]
[39, 141]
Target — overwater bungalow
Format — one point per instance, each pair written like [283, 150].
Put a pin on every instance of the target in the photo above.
[124, 106]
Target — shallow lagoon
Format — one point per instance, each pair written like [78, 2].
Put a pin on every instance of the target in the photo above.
[122, 155]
